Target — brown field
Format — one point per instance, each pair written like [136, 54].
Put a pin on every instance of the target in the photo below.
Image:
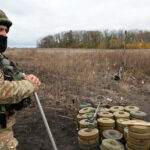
[81, 74]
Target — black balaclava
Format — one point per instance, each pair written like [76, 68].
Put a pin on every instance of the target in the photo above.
[3, 43]
[5, 22]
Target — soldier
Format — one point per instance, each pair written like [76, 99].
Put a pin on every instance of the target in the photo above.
[15, 89]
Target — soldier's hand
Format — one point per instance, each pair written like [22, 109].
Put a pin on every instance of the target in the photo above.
[34, 79]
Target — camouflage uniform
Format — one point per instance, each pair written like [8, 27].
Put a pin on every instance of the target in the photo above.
[11, 92]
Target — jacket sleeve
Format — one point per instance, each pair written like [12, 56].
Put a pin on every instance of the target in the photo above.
[12, 92]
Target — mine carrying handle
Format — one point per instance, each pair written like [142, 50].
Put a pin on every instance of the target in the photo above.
[45, 121]
[95, 114]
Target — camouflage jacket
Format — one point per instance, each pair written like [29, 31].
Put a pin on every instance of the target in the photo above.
[12, 92]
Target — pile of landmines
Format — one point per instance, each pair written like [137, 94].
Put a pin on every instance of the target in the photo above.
[107, 132]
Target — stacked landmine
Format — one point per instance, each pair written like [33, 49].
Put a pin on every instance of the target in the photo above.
[88, 138]
[112, 134]
[105, 124]
[88, 135]
[119, 125]
[86, 110]
[85, 113]
[103, 109]
[131, 108]
[138, 115]
[135, 114]
[84, 116]
[118, 112]
[125, 133]
[116, 108]
[105, 115]
[138, 138]
[121, 114]
[87, 123]
[110, 144]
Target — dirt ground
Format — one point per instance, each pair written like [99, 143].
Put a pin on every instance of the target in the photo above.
[30, 130]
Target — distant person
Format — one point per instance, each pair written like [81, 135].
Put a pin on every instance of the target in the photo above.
[15, 89]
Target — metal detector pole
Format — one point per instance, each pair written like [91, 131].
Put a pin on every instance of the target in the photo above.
[45, 121]
[95, 114]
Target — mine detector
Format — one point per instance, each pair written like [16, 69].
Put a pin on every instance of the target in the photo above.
[45, 121]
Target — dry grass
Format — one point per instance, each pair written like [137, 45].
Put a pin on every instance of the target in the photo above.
[66, 75]
[83, 64]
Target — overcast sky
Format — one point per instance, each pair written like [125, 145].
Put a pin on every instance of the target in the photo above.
[34, 19]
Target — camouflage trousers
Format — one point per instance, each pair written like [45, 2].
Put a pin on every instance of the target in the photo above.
[7, 140]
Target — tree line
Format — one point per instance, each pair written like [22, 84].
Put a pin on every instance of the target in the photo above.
[106, 39]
